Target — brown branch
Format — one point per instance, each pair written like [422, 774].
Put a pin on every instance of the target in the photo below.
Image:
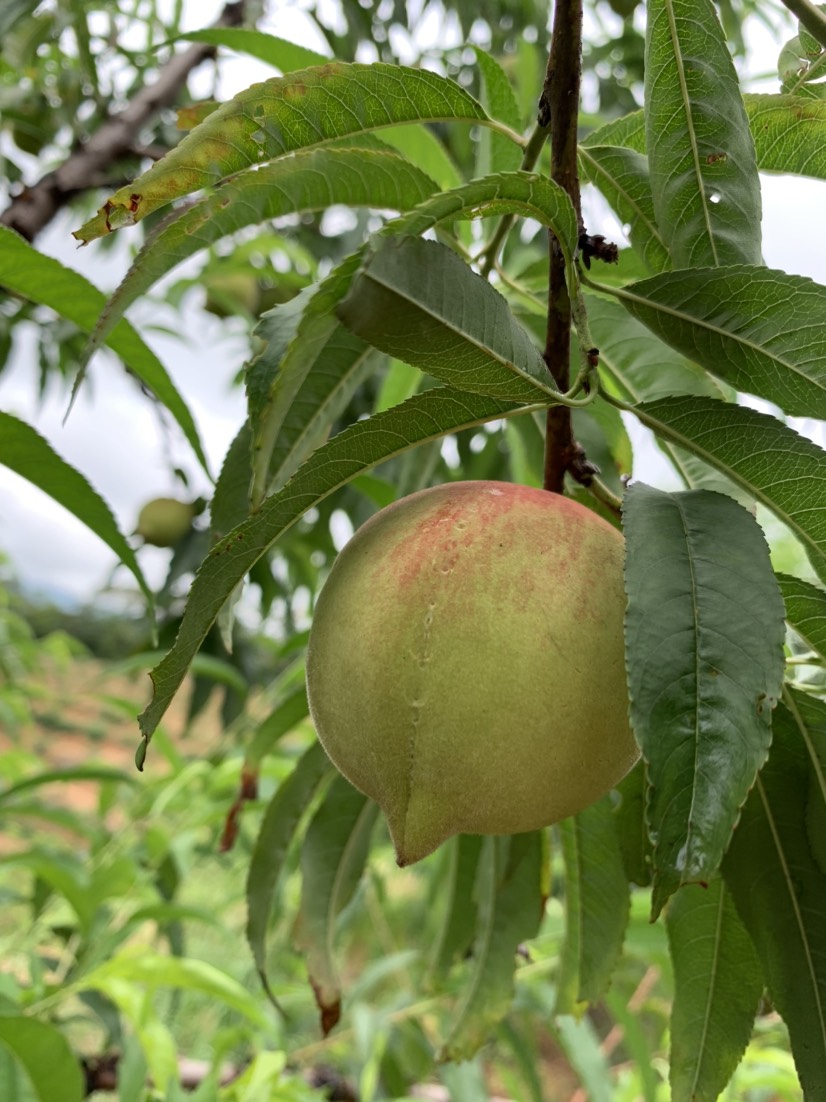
[85, 168]
[559, 106]
[101, 1074]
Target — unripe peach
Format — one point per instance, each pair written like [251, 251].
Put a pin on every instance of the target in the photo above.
[165, 521]
[466, 664]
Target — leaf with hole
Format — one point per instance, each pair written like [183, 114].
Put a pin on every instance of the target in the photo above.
[700, 152]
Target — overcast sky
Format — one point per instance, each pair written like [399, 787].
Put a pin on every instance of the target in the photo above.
[114, 436]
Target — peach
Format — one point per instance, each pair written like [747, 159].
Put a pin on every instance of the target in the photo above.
[466, 664]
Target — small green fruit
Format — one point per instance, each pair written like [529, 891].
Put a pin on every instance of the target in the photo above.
[165, 521]
[466, 664]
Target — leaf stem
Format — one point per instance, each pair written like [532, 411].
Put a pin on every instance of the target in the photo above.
[559, 108]
[608, 498]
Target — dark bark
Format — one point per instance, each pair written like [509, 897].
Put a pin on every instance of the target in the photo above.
[559, 108]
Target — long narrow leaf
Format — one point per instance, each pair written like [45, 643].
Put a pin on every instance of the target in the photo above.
[760, 330]
[277, 831]
[307, 108]
[27, 453]
[282, 55]
[510, 909]
[309, 181]
[704, 640]
[45, 280]
[622, 177]
[780, 894]
[700, 152]
[805, 610]
[718, 982]
[597, 905]
[459, 924]
[43, 1050]
[332, 861]
[417, 300]
[299, 338]
[789, 133]
[776, 466]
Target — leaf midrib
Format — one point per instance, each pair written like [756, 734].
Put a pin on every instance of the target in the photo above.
[513, 368]
[718, 331]
[787, 877]
[695, 153]
[661, 428]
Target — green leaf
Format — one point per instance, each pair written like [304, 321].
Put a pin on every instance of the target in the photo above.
[640, 365]
[332, 861]
[459, 923]
[421, 147]
[789, 133]
[521, 193]
[24, 451]
[805, 610]
[308, 181]
[311, 390]
[281, 720]
[44, 1052]
[186, 973]
[580, 1043]
[277, 832]
[622, 177]
[417, 300]
[509, 900]
[780, 894]
[299, 111]
[760, 330]
[282, 55]
[101, 773]
[298, 336]
[496, 153]
[704, 642]
[777, 467]
[718, 983]
[631, 828]
[230, 503]
[700, 153]
[809, 716]
[359, 447]
[44, 280]
[597, 905]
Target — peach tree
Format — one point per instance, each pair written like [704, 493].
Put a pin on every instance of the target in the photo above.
[483, 310]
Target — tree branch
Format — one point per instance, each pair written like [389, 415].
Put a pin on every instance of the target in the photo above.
[33, 209]
[559, 106]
